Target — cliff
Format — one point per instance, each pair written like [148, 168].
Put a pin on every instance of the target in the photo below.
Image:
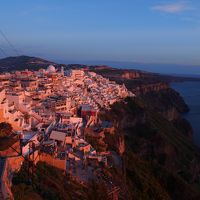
[150, 138]
[152, 87]
[138, 77]
[160, 161]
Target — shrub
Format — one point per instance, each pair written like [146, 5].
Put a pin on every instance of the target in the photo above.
[5, 129]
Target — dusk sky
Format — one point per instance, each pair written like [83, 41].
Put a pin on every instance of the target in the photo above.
[150, 31]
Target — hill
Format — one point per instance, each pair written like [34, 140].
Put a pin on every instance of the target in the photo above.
[127, 76]
[22, 62]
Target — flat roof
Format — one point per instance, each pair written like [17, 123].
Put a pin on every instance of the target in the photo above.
[57, 135]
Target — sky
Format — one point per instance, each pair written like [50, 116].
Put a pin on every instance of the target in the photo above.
[145, 31]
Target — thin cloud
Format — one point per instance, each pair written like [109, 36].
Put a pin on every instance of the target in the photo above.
[172, 7]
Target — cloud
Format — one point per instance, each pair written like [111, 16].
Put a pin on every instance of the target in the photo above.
[172, 7]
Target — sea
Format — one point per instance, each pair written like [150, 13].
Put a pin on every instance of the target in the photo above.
[190, 91]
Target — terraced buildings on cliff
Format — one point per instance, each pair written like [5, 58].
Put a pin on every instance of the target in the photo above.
[56, 112]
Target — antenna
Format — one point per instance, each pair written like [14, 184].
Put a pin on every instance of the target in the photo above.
[9, 43]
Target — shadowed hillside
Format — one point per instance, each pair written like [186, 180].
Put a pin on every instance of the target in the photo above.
[160, 161]
[22, 62]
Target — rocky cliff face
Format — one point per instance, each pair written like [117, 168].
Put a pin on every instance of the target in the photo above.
[152, 86]
[147, 88]
[131, 75]
[166, 101]
[160, 160]
[170, 105]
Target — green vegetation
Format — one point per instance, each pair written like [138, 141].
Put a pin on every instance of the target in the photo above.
[50, 183]
[161, 162]
[25, 192]
[163, 100]
[5, 129]
[96, 143]
[6, 137]
[6, 142]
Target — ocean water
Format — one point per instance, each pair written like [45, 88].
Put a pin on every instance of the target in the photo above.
[190, 91]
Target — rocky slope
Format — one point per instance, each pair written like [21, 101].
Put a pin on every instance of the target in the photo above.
[160, 161]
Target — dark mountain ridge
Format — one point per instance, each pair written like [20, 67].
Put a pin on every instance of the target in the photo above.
[34, 63]
[22, 62]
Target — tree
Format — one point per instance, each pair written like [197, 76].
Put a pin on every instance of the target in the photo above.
[5, 129]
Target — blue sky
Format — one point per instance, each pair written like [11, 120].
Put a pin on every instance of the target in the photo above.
[148, 31]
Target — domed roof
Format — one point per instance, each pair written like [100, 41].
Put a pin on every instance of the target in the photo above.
[51, 69]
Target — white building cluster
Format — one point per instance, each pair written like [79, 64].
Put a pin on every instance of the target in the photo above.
[54, 107]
